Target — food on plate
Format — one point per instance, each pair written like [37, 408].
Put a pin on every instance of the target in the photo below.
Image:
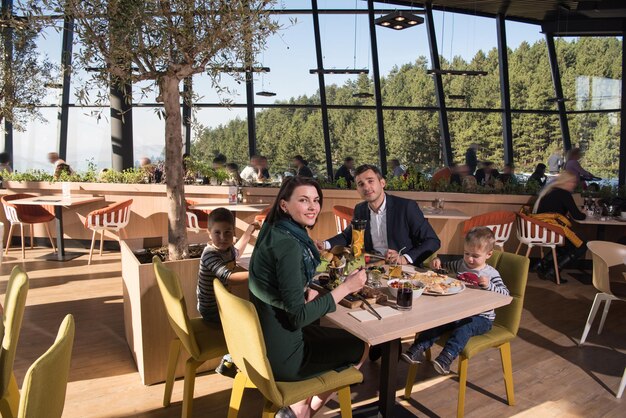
[370, 292]
[468, 277]
[395, 284]
[395, 272]
[337, 262]
[436, 283]
[326, 255]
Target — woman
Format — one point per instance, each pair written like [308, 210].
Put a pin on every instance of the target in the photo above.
[573, 165]
[556, 198]
[282, 266]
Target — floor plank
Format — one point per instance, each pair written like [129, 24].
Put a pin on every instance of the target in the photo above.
[553, 376]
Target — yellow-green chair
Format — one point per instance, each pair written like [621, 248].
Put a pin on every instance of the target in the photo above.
[247, 348]
[514, 271]
[14, 304]
[43, 391]
[203, 341]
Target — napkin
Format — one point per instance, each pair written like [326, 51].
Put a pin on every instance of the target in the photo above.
[365, 315]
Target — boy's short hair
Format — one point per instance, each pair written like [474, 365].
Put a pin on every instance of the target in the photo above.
[220, 215]
[481, 236]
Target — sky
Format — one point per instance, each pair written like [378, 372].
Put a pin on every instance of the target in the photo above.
[290, 54]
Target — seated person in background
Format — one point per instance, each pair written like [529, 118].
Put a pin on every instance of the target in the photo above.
[555, 161]
[249, 174]
[302, 167]
[218, 261]
[553, 204]
[396, 169]
[262, 173]
[394, 223]
[5, 162]
[539, 175]
[478, 247]
[60, 166]
[233, 172]
[508, 174]
[219, 161]
[573, 165]
[345, 171]
[459, 172]
[486, 175]
[469, 184]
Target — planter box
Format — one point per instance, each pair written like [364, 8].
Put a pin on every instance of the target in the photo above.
[146, 326]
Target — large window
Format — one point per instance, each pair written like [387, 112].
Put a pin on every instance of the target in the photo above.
[484, 129]
[221, 130]
[31, 146]
[412, 137]
[535, 137]
[89, 138]
[148, 134]
[353, 133]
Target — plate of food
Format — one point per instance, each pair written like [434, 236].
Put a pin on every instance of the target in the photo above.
[417, 286]
[439, 284]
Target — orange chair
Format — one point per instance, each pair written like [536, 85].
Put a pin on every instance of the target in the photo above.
[343, 217]
[114, 217]
[500, 222]
[197, 220]
[535, 233]
[25, 214]
[260, 218]
[441, 175]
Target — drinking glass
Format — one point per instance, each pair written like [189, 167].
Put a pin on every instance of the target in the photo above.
[358, 236]
[404, 300]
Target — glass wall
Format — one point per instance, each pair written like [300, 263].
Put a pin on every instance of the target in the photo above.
[148, 134]
[31, 146]
[89, 138]
[535, 137]
[221, 130]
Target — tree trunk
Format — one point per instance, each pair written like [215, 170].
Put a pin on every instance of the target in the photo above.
[175, 186]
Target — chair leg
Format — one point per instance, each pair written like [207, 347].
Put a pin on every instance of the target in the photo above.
[556, 266]
[507, 369]
[101, 241]
[345, 402]
[93, 241]
[597, 301]
[23, 250]
[410, 379]
[236, 395]
[528, 250]
[32, 236]
[6, 250]
[460, 407]
[607, 305]
[54, 248]
[519, 247]
[190, 382]
[622, 384]
[9, 403]
[172, 361]
[269, 410]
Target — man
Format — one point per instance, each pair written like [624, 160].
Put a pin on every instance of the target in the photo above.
[249, 174]
[486, 175]
[60, 166]
[302, 167]
[471, 160]
[539, 175]
[262, 172]
[394, 224]
[555, 162]
[396, 168]
[345, 171]
[508, 174]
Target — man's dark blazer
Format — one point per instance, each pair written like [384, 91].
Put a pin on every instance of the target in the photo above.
[406, 227]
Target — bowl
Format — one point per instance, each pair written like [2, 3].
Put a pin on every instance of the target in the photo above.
[418, 287]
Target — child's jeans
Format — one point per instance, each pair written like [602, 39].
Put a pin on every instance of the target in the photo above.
[462, 330]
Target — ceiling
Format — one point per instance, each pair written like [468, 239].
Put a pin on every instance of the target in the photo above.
[532, 11]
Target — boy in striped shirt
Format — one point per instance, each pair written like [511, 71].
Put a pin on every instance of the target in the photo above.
[478, 247]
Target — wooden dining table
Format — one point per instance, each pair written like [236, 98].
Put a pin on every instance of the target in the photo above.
[601, 223]
[427, 312]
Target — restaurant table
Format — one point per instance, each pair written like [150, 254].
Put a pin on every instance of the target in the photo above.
[444, 214]
[240, 207]
[427, 312]
[59, 202]
[601, 222]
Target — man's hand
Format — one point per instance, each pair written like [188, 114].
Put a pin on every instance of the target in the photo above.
[320, 245]
[392, 257]
[483, 282]
[435, 263]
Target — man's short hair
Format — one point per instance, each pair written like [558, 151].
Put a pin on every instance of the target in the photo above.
[348, 159]
[365, 167]
[220, 215]
[482, 237]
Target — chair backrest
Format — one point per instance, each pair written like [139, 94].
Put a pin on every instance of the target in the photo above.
[260, 218]
[172, 293]
[45, 383]
[196, 219]
[244, 338]
[605, 255]
[538, 232]
[343, 217]
[14, 304]
[513, 269]
[500, 222]
[14, 212]
[115, 216]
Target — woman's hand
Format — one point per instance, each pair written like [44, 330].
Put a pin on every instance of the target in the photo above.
[353, 283]
[311, 294]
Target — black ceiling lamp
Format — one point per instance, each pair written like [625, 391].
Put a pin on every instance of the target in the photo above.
[265, 93]
[458, 72]
[343, 71]
[398, 20]
[457, 96]
[556, 100]
[244, 69]
[362, 95]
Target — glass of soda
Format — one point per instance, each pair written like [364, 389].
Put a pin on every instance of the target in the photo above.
[404, 299]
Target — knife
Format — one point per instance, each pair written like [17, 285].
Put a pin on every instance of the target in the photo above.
[369, 306]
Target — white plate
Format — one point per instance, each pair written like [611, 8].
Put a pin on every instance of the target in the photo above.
[451, 291]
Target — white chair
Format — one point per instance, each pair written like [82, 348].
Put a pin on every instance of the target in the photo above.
[1, 240]
[343, 217]
[535, 233]
[605, 255]
[25, 215]
[500, 222]
[620, 391]
[114, 217]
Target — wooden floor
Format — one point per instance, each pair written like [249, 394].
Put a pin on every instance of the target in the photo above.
[553, 377]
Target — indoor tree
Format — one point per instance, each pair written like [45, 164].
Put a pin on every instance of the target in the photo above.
[165, 42]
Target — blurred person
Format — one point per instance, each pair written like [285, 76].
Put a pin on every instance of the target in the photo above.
[345, 171]
[262, 171]
[302, 166]
[233, 172]
[508, 174]
[539, 175]
[553, 205]
[486, 175]
[249, 174]
[573, 165]
[555, 161]
[471, 160]
[459, 172]
[396, 168]
[60, 166]
[219, 161]
[5, 162]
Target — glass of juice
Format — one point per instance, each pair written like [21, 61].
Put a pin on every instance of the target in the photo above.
[358, 236]
[404, 299]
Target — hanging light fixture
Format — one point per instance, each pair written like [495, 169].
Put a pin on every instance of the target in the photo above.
[362, 95]
[457, 96]
[556, 100]
[344, 71]
[398, 20]
[457, 72]
[265, 93]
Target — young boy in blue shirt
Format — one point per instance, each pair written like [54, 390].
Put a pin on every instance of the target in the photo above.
[479, 243]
